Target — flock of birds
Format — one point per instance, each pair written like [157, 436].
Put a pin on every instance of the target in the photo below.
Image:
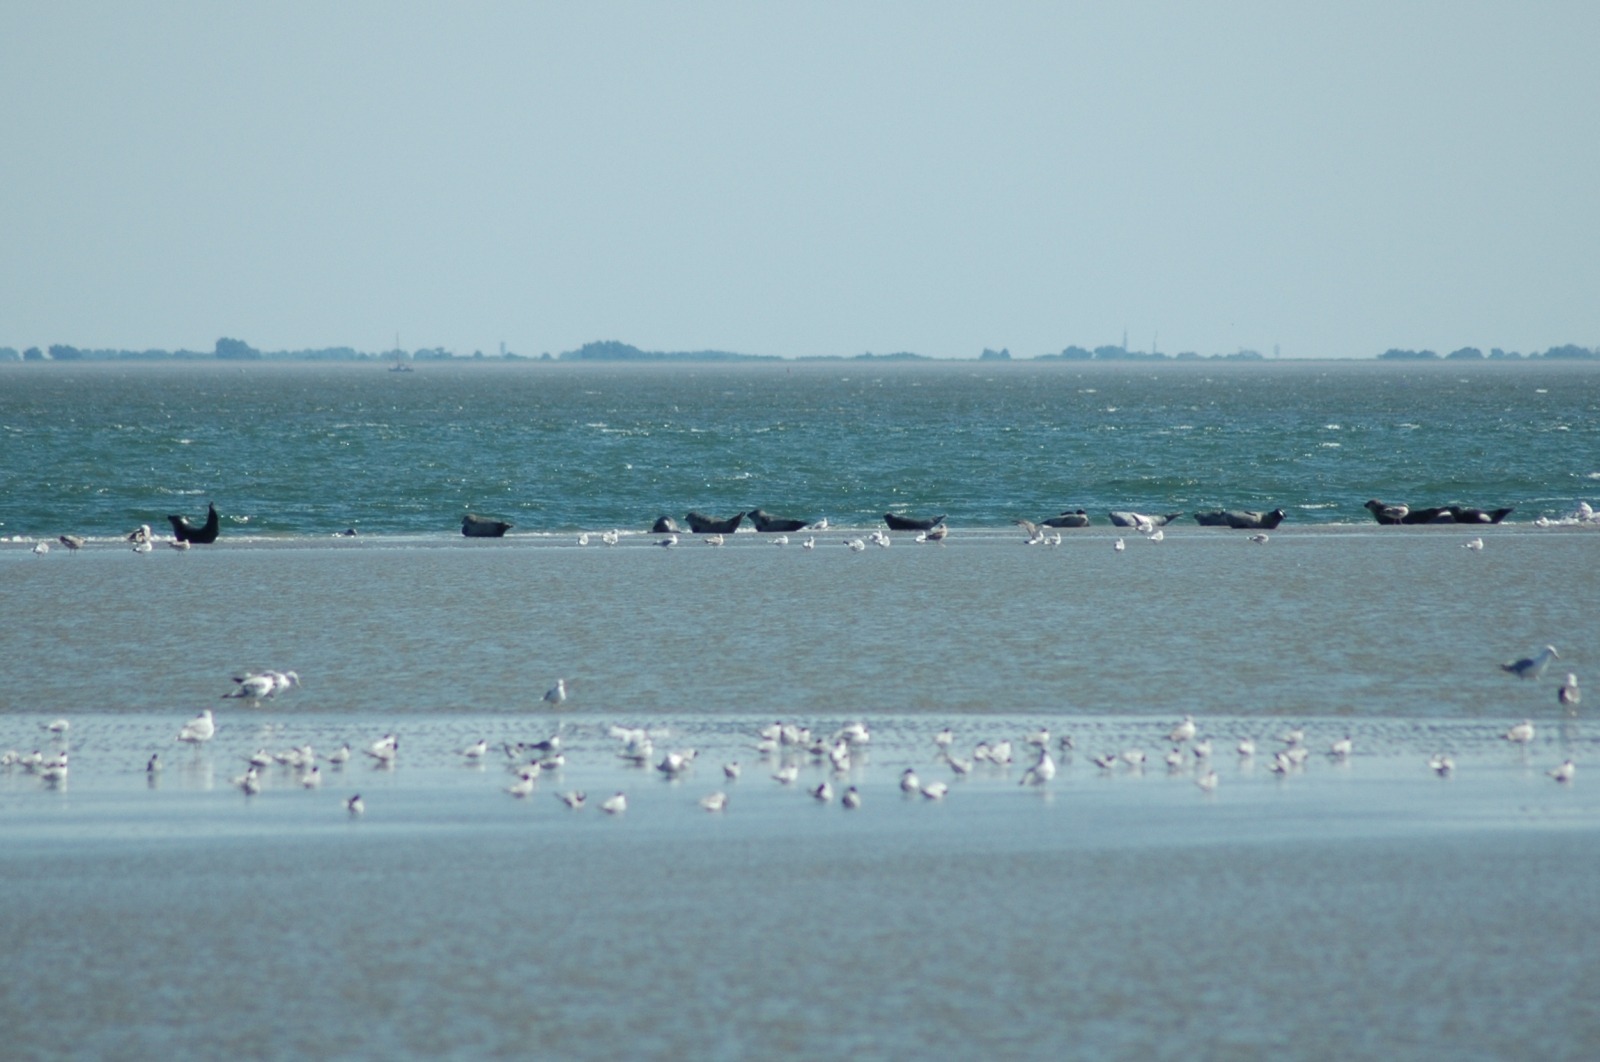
[143, 540]
[782, 749]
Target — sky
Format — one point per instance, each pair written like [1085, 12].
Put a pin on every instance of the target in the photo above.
[1323, 179]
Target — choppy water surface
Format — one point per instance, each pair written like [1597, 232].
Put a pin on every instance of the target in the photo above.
[309, 449]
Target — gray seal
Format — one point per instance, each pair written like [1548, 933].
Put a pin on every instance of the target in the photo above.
[474, 526]
[767, 522]
[1066, 519]
[184, 531]
[911, 523]
[705, 525]
[1241, 518]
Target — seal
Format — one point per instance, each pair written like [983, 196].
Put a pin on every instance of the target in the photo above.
[911, 523]
[1241, 518]
[474, 526]
[1464, 514]
[1131, 519]
[767, 522]
[184, 531]
[705, 525]
[1079, 518]
[665, 525]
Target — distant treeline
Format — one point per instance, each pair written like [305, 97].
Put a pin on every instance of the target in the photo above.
[227, 349]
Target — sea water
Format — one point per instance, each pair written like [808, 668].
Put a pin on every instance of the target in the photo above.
[1360, 907]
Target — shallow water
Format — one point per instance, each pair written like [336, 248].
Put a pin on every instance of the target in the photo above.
[1366, 908]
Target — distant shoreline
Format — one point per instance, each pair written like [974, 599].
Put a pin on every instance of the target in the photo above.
[612, 352]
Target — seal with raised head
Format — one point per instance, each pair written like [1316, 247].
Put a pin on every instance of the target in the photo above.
[1078, 518]
[767, 522]
[911, 523]
[184, 531]
[1244, 519]
[705, 525]
[665, 525]
[474, 526]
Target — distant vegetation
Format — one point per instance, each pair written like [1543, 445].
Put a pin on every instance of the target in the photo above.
[229, 349]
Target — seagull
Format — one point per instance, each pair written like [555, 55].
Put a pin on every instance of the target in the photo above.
[1293, 737]
[1568, 693]
[1207, 782]
[1035, 532]
[250, 782]
[476, 751]
[1475, 544]
[820, 525]
[731, 770]
[384, 750]
[1174, 759]
[1042, 771]
[42, 548]
[1247, 747]
[944, 738]
[313, 778]
[1520, 734]
[153, 764]
[610, 538]
[355, 806]
[1342, 748]
[557, 693]
[1531, 667]
[670, 540]
[143, 546]
[59, 726]
[140, 534]
[714, 801]
[855, 544]
[1441, 765]
[909, 782]
[714, 540]
[199, 729]
[879, 538]
[572, 798]
[583, 539]
[1134, 757]
[1157, 535]
[178, 544]
[809, 543]
[851, 799]
[523, 786]
[340, 756]
[72, 542]
[1260, 538]
[1202, 749]
[1183, 731]
[781, 540]
[615, 804]
[1120, 545]
[823, 792]
[1563, 773]
[786, 774]
[675, 763]
[935, 790]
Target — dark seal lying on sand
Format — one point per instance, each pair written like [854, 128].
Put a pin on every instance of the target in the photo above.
[705, 525]
[1078, 518]
[910, 523]
[474, 526]
[767, 522]
[1240, 518]
[1401, 513]
[184, 531]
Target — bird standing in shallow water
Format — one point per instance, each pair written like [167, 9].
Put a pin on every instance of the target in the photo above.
[1568, 694]
[1520, 734]
[557, 693]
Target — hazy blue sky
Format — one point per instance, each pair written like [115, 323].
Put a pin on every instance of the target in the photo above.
[792, 179]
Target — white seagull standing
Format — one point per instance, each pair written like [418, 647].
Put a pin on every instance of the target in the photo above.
[557, 693]
[1042, 771]
[714, 801]
[615, 804]
[1521, 734]
[1183, 731]
[200, 729]
[1564, 772]
[1568, 693]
